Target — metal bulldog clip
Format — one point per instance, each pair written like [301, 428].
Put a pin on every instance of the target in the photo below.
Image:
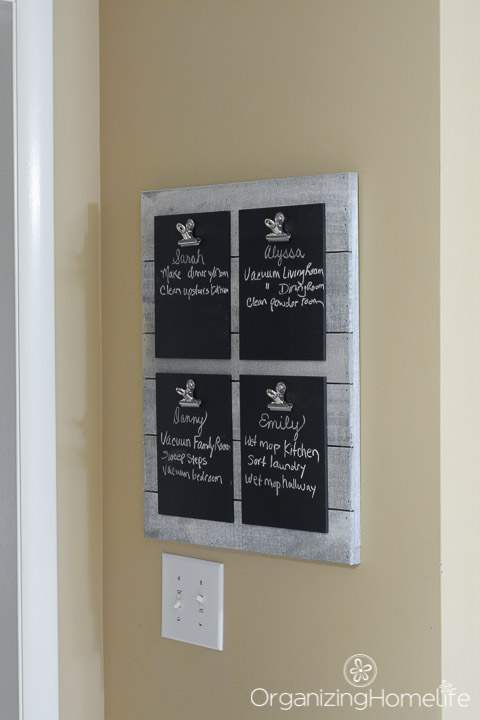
[276, 226]
[188, 399]
[186, 231]
[278, 397]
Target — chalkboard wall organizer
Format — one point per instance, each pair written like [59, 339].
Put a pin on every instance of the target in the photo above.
[189, 342]
[192, 285]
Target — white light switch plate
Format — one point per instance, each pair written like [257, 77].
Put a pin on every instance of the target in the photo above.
[192, 601]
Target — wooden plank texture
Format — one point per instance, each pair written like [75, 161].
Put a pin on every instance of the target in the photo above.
[337, 191]
[336, 368]
[333, 546]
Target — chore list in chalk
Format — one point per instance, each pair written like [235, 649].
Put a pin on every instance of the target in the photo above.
[284, 452]
[282, 283]
[194, 446]
[192, 285]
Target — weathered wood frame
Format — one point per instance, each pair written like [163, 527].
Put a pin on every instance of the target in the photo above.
[339, 192]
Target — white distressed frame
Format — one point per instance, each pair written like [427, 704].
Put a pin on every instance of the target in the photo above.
[37, 505]
[339, 192]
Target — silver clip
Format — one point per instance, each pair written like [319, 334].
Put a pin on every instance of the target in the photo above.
[276, 226]
[186, 231]
[188, 395]
[278, 397]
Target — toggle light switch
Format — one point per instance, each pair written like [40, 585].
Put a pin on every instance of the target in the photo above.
[192, 601]
[178, 603]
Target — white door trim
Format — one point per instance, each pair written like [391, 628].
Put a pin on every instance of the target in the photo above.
[37, 513]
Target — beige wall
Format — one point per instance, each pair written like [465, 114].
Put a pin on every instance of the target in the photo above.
[460, 308]
[77, 286]
[218, 91]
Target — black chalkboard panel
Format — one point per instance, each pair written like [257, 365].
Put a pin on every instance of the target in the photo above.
[284, 454]
[192, 287]
[194, 448]
[282, 285]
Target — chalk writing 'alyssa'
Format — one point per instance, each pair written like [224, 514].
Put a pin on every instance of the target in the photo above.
[272, 252]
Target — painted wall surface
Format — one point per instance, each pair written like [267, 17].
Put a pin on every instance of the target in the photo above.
[77, 286]
[219, 91]
[460, 333]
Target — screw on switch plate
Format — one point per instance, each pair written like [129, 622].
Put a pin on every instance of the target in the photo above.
[192, 600]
